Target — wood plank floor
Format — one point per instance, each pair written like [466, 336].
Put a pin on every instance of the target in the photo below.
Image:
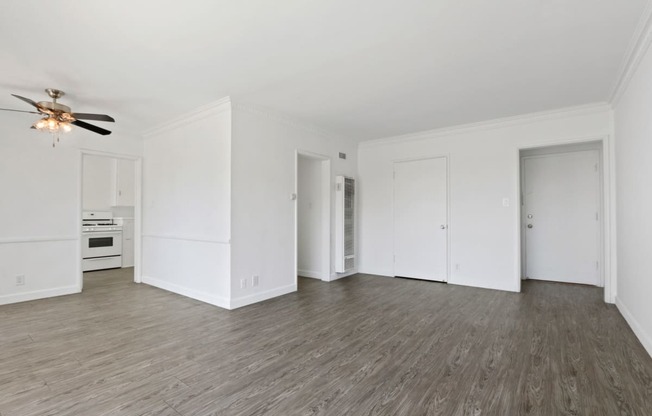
[363, 345]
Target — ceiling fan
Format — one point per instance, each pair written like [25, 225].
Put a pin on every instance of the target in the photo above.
[58, 117]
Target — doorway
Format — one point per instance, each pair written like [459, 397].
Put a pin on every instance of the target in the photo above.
[110, 186]
[561, 213]
[313, 216]
[421, 219]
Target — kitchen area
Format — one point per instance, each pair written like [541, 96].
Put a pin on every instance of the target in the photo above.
[109, 194]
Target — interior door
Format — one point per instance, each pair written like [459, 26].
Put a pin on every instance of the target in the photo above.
[420, 219]
[561, 217]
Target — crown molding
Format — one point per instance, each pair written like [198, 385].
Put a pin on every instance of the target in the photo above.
[492, 124]
[273, 115]
[638, 46]
[199, 113]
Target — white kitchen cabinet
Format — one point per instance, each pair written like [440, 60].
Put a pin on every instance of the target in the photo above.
[125, 194]
[108, 182]
[127, 241]
[98, 180]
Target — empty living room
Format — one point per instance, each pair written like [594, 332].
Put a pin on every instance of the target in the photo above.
[328, 208]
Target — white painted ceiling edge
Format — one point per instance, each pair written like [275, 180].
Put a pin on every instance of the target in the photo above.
[377, 68]
[638, 46]
[636, 50]
[490, 124]
[225, 104]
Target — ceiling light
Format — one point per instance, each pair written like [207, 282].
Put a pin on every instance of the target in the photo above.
[52, 125]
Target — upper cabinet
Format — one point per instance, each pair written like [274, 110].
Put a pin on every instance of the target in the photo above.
[97, 181]
[125, 194]
[107, 182]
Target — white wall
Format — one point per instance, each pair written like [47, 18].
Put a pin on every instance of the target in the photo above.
[309, 227]
[263, 178]
[186, 205]
[483, 169]
[40, 218]
[633, 124]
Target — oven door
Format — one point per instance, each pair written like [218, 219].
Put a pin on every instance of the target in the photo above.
[101, 244]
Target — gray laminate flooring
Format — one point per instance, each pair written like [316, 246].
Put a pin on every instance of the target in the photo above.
[363, 345]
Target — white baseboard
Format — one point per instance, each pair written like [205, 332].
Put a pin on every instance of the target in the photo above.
[185, 291]
[336, 276]
[38, 294]
[646, 339]
[261, 296]
[309, 273]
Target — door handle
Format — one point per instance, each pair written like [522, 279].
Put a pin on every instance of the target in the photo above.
[443, 227]
[530, 226]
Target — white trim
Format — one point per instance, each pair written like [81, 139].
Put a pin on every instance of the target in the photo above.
[39, 294]
[608, 207]
[44, 239]
[187, 292]
[638, 47]
[186, 238]
[646, 339]
[138, 221]
[337, 276]
[256, 110]
[199, 113]
[592, 147]
[138, 180]
[326, 190]
[309, 273]
[261, 296]
[102, 153]
[491, 124]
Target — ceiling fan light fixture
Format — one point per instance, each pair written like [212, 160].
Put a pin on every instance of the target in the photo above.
[57, 118]
[52, 125]
[40, 124]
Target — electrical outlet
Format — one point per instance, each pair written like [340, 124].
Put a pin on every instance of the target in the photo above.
[20, 280]
[255, 280]
[243, 283]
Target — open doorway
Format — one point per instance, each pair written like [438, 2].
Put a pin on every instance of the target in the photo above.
[313, 216]
[562, 212]
[110, 206]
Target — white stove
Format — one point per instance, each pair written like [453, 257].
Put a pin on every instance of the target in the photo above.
[101, 241]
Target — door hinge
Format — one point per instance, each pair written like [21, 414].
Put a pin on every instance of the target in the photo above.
[596, 167]
[394, 258]
[394, 174]
[597, 265]
[596, 216]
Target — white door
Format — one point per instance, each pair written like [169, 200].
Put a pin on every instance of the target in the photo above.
[420, 219]
[561, 217]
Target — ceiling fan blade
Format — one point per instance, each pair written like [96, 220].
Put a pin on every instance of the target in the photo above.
[94, 129]
[19, 111]
[27, 100]
[97, 117]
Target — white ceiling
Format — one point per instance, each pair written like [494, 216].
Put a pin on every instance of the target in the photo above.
[362, 68]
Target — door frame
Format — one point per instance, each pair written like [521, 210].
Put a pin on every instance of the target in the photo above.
[448, 209]
[599, 202]
[326, 210]
[138, 173]
[607, 208]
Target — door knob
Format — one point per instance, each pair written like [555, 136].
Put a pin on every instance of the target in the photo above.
[443, 227]
[530, 226]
